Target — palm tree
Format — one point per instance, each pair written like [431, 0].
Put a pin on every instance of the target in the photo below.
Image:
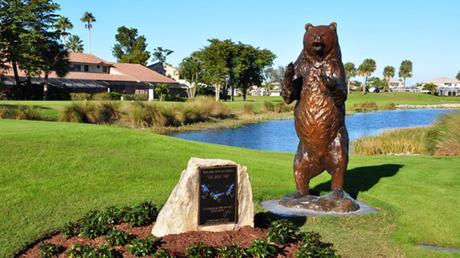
[388, 73]
[63, 24]
[88, 18]
[405, 70]
[74, 44]
[350, 71]
[458, 76]
[366, 69]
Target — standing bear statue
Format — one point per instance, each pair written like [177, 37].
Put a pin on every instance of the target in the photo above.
[317, 82]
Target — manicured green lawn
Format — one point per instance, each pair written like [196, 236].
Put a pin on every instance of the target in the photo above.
[51, 109]
[54, 172]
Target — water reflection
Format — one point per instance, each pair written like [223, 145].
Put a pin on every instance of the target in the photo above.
[279, 135]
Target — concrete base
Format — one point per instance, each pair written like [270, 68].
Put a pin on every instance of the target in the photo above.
[275, 207]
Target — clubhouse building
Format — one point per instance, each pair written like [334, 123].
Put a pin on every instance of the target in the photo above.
[91, 74]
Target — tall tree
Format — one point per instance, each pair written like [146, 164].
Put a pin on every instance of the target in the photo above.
[275, 74]
[388, 73]
[366, 69]
[88, 19]
[405, 70]
[74, 44]
[248, 66]
[217, 63]
[55, 58]
[63, 25]
[350, 72]
[458, 76]
[28, 29]
[130, 48]
[160, 54]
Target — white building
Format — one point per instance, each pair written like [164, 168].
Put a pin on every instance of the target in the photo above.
[397, 85]
[446, 86]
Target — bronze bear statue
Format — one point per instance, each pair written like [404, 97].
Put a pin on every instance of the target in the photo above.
[317, 81]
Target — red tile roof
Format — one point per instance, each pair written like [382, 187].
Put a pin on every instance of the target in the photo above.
[85, 58]
[126, 72]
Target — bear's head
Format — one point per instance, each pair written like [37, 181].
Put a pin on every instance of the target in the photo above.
[320, 42]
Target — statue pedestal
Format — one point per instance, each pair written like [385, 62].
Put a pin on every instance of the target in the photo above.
[326, 203]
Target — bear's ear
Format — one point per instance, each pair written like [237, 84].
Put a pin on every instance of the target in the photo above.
[308, 26]
[333, 25]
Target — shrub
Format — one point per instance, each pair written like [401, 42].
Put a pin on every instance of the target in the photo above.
[107, 96]
[48, 250]
[263, 248]
[444, 137]
[79, 96]
[118, 238]
[71, 229]
[76, 113]
[200, 250]
[141, 215]
[283, 107]
[145, 115]
[269, 106]
[208, 107]
[365, 107]
[232, 251]
[408, 140]
[248, 108]
[170, 116]
[137, 97]
[80, 251]
[94, 224]
[282, 232]
[86, 251]
[143, 247]
[27, 113]
[161, 253]
[104, 113]
[6, 113]
[312, 246]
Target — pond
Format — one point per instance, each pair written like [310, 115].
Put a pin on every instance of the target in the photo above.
[280, 135]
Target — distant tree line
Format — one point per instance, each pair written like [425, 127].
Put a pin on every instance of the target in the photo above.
[368, 67]
[224, 63]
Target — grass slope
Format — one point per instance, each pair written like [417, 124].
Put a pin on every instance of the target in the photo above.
[51, 109]
[55, 172]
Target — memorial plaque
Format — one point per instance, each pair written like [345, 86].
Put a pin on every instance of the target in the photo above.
[218, 202]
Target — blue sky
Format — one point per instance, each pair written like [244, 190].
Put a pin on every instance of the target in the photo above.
[426, 32]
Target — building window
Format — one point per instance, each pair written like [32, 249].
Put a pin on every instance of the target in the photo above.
[98, 66]
[448, 84]
[140, 91]
[75, 67]
[105, 69]
[86, 67]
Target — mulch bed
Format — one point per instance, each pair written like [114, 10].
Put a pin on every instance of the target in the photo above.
[175, 244]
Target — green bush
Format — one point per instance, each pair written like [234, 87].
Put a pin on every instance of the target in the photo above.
[48, 250]
[161, 253]
[263, 248]
[141, 215]
[200, 250]
[7, 113]
[249, 108]
[443, 138]
[283, 107]
[104, 113]
[76, 113]
[71, 229]
[137, 97]
[282, 232]
[118, 238]
[93, 225]
[86, 251]
[145, 115]
[269, 106]
[100, 113]
[365, 107]
[143, 247]
[28, 113]
[232, 251]
[312, 246]
[79, 96]
[107, 96]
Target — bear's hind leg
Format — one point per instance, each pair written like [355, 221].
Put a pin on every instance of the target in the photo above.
[337, 163]
[304, 170]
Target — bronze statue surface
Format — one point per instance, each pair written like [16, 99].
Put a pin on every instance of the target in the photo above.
[317, 81]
